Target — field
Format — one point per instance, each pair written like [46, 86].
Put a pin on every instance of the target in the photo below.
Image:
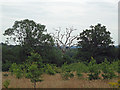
[56, 81]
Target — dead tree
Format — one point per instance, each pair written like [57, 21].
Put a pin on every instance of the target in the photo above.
[64, 40]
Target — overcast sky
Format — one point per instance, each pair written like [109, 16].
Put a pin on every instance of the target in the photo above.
[61, 13]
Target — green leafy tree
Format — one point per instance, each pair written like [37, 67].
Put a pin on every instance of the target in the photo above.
[29, 35]
[27, 32]
[32, 68]
[6, 83]
[34, 74]
[94, 41]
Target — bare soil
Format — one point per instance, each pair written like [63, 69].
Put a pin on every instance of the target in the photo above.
[55, 81]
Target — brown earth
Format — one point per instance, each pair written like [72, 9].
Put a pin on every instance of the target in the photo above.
[55, 81]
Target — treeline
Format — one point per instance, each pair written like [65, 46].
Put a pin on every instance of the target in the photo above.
[32, 37]
[15, 54]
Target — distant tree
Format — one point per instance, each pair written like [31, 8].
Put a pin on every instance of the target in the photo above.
[64, 40]
[94, 41]
[10, 54]
[29, 35]
[27, 32]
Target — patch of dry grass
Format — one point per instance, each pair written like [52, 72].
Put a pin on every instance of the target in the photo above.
[55, 81]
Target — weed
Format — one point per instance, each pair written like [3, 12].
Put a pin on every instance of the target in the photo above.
[6, 83]
[67, 75]
[79, 74]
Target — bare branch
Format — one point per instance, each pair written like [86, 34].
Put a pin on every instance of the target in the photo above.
[64, 39]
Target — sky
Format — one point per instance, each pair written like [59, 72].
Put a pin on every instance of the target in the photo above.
[79, 14]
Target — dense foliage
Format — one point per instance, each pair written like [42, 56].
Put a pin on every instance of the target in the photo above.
[95, 42]
[29, 35]
[35, 53]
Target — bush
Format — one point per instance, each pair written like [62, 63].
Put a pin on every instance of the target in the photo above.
[67, 75]
[16, 69]
[49, 70]
[80, 67]
[71, 75]
[115, 65]
[94, 76]
[107, 70]
[12, 68]
[93, 69]
[67, 59]
[56, 69]
[66, 72]
[79, 74]
[65, 68]
[6, 83]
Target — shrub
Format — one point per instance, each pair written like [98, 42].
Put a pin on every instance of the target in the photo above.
[108, 72]
[67, 75]
[66, 72]
[48, 69]
[56, 69]
[93, 69]
[71, 75]
[93, 76]
[81, 67]
[6, 83]
[65, 68]
[13, 68]
[16, 69]
[79, 74]
[115, 66]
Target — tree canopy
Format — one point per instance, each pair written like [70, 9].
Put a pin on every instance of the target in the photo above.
[94, 41]
[28, 32]
[30, 36]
